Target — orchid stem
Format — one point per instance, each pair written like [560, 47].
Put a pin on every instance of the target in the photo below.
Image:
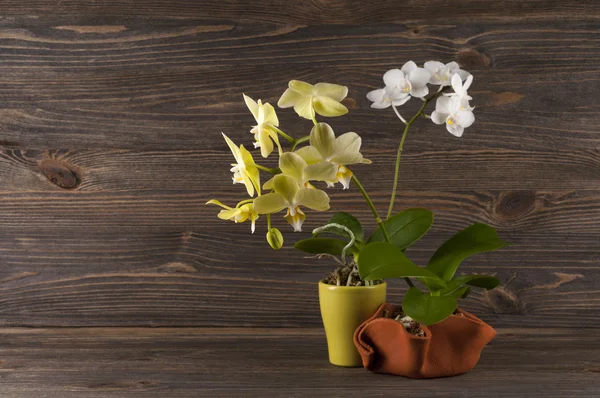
[314, 120]
[299, 141]
[374, 210]
[290, 139]
[267, 169]
[268, 222]
[401, 146]
[372, 207]
[398, 114]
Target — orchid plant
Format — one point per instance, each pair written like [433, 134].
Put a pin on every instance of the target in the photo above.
[322, 157]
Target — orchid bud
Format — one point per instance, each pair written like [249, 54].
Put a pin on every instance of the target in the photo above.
[275, 238]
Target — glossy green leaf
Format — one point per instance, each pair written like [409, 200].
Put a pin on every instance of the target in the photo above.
[463, 292]
[322, 246]
[405, 228]
[350, 222]
[477, 238]
[483, 281]
[427, 309]
[382, 260]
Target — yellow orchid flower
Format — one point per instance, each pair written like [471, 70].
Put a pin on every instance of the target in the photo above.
[288, 194]
[293, 165]
[323, 98]
[237, 214]
[264, 133]
[244, 171]
[340, 151]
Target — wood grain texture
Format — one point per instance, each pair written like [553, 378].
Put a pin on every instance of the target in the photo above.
[110, 114]
[195, 362]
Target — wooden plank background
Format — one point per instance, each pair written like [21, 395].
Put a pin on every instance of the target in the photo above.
[110, 121]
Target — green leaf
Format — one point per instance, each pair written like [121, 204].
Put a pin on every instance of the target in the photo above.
[427, 309]
[322, 245]
[348, 221]
[405, 228]
[477, 238]
[484, 281]
[463, 292]
[382, 260]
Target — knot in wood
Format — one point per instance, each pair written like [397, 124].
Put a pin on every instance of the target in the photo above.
[59, 174]
[514, 204]
[471, 58]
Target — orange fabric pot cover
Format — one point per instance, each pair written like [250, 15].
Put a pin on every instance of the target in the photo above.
[449, 348]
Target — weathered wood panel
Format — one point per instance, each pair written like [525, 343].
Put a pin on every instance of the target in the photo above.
[192, 362]
[110, 114]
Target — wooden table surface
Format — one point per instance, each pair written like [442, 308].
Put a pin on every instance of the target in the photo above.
[249, 362]
[116, 280]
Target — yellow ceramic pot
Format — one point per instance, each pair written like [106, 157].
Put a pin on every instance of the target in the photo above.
[343, 309]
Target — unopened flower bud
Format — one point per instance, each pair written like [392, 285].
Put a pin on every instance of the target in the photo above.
[275, 238]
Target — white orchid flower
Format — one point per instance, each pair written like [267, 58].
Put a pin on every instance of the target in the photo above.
[460, 91]
[264, 133]
[400, 85]
[441, 74]
[288, 194]
[237, 214]
[322, 98]
[340, 151]
[244, 171]
[449, 110]
[295, 166]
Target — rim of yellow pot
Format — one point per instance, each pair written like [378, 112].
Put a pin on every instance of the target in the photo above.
[336, 287]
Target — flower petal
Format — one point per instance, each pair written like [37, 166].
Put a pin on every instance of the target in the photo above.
[326, 106]
[347, 158]
[468, 82]
[218, 203]
[465, 118]
[287, 186]
[322, 171]
[269, 184]
[433, 66]
[333, 91]
[289, 98]
[252, 106]
[250, 171]
[409, 67]
[419, 92]
[270, 203]
[419, 77]
[301, 87]
[266, 145]
[314, 199]
[304, 108]
[376, 95]
[381, 105]
[293, 165]
[268, 115]
[247, 181]
[228, 214]
[344, 175]
[393, 77]
[322, 138]
[438, 117]
[452, 66]
[401, 100]
[443, 104]
[455, 130]
[310, 154]
[235, 150]
[457, 83]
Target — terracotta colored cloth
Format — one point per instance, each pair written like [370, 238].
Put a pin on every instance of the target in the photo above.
[449, 348]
